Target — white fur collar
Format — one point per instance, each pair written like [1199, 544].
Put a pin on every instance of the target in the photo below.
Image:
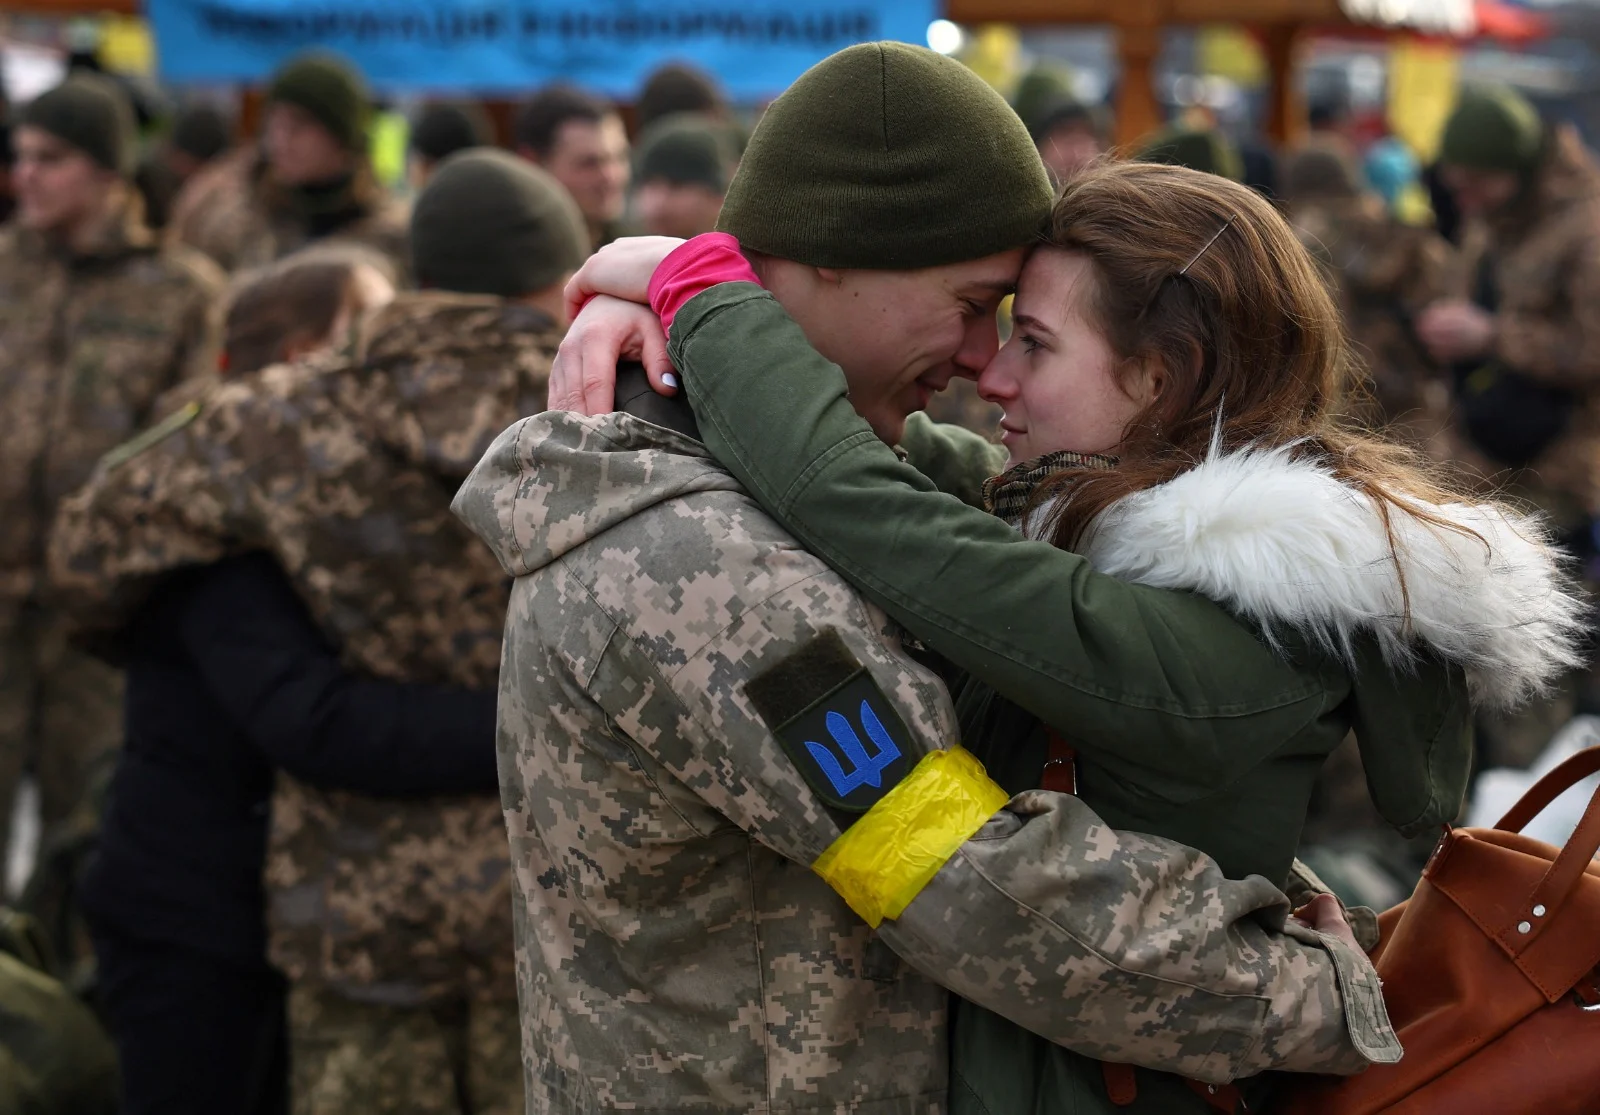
[1284, 544]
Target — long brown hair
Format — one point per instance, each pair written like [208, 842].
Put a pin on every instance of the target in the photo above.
[283, 304]
[1205, 277]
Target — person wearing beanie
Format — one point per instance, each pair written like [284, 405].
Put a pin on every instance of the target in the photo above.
[335, 473]
[97, 321]
[679, 87]
[489, 223]
[1039, 91]
[1204, 149]
[308, 181]
[681, 171]
[581, 141]
[1383, 273]
[200, 134]
[723, 767]
[440, 130]
[1519, 340]
[1070, 136]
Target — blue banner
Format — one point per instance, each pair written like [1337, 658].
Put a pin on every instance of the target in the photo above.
[756, 47]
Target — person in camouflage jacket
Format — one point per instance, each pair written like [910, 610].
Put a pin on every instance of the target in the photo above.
[719, 910]
[308, 181]
[1383, 273]
[1521, 333]
[96, 322]
[392, 919]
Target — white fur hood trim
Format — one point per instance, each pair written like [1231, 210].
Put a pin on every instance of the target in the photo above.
[1285, 544]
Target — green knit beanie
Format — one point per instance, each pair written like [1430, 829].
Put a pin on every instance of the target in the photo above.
[328, 88]
[1202, 149]
[91, 113]
[491, 223]
[889, 157]
[1493, 128]
[1043, 87]
[686, 148]
[445, 127]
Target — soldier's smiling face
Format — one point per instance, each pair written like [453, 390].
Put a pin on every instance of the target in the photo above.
[58, 187]
[899, 336]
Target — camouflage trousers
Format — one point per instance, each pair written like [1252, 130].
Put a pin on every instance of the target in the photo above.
[60, 716]
[459, 1058]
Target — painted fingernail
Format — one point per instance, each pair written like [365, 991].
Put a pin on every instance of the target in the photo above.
[669, 380]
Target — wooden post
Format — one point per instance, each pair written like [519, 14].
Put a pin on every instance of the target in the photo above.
[1286, 117]
[1138, 43]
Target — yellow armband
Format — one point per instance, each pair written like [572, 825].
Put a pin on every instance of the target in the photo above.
[882, 861]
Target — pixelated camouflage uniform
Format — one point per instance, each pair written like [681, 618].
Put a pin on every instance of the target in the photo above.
[343, 469]
[675, 952]
[88, 341]
[234, 213]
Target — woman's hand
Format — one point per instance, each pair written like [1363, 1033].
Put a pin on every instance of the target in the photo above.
[584, 376]
[1456, 330]
[621, 269]
[1324, 914]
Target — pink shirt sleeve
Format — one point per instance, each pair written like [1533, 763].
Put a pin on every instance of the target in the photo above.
[695, 266]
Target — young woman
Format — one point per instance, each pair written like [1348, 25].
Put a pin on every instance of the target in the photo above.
[307, 303]
[1170, 391]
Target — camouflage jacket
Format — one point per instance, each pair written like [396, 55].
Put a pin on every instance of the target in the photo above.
[676, 952]
[87, 344]
[1545, 259]
[343, 469]
[235, 214]
[1383, 273]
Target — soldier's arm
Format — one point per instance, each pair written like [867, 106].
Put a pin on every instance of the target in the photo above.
[1119, 946]
[1161, 687]
[154, 504]
[1560, 348]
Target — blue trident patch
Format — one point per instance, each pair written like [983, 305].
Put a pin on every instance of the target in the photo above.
[865, 769]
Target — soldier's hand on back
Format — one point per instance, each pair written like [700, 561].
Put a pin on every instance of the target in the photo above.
[583, 377]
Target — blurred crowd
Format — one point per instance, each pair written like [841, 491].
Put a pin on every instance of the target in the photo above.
[334, 927]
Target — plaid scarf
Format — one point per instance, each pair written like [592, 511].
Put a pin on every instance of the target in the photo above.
[1010, 495]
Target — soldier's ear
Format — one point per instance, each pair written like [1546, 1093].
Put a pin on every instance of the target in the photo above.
[829, 275]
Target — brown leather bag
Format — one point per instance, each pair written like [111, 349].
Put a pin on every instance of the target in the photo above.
[1490, 974]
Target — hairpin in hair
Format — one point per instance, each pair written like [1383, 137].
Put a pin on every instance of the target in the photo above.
[1215, 237]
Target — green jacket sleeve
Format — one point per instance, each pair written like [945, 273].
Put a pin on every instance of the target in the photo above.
[1160, 687]
[958, 461]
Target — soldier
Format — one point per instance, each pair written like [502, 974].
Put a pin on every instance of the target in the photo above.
[1522, 337]
[96, 321]
[673, 658]
[582, 143]
[392, 920]
[1203, 149]
[681, 174]
[441, 129]
[1383, 273]
[309, 180]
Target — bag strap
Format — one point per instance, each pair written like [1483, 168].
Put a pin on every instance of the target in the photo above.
[1562, 878]
[1557, 782]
